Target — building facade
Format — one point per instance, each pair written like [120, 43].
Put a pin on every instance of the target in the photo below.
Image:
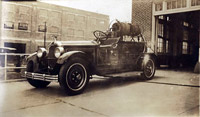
[172, 28]
[23, 24]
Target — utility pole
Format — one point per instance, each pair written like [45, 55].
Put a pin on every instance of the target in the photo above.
[45, 32]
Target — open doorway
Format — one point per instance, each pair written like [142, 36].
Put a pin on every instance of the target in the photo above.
[15, 59]
[20, 47]
[178, 39]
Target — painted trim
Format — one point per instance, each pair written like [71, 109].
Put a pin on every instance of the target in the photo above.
[153, 28]
[180, 10]
[165, 11]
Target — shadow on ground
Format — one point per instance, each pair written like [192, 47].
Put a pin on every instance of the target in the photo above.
[95, 84]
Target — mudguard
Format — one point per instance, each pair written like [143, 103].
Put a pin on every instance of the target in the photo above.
[142, 57]
[64, 57]
[32, 57]
[152, 55]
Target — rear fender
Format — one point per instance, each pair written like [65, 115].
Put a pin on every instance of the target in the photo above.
[142, 58]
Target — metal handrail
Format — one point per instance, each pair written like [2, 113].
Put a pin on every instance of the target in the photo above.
[5, 67]
[14, 54]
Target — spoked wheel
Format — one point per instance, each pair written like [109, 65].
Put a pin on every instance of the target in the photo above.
[149, 69]
[74, 77]
[35, 83]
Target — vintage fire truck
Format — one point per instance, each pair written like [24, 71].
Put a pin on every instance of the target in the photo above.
[72, 63]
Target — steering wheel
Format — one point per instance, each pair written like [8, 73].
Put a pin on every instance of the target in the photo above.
[100, 35]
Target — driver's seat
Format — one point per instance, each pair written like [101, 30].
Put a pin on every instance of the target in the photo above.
[110, 41]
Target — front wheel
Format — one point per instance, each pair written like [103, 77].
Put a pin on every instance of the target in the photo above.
[149, 69]
[73, 76]
[35, 83]
[38, 83]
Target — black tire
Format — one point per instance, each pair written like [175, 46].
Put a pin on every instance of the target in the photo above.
[73, 76]
[35, 83]
[149, 69]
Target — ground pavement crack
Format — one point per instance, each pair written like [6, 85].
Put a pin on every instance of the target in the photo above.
[173, 84]
[189, 110]
[22, 108]
[60, 100]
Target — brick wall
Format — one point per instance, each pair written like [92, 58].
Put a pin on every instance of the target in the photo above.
[23, 22]
[142, 15]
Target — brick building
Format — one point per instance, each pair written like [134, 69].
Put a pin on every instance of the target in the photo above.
[22, 24]
[172, 28]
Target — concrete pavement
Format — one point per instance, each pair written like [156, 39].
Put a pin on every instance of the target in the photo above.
[171, 93]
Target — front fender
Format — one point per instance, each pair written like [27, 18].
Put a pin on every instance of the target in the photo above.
[64, 57]
[34, 60]
[32, 56]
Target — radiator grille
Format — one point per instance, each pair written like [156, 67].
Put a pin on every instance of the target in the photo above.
[51, 52]
[51, 57]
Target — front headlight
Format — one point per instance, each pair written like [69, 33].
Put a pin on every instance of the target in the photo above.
[42, 52]
[58, 51]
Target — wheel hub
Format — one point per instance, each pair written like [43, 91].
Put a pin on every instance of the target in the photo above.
[76, 76]
[149, 69]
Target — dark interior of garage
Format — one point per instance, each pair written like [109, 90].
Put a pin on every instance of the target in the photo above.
[20, 47]
[178, 40]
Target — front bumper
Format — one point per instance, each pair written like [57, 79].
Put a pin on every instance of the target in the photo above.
[43, 77]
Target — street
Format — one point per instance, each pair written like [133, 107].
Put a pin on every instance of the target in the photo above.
[170, 93]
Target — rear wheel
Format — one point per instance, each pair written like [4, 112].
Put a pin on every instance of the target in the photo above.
[73, 76]
[148, 69]
[35, 83]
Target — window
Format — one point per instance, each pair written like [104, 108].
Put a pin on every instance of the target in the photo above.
[173, 4]
[167, 46]
[185, 24]
[198, 2]
[191, 49]
[167, 32]
[160, 30]
[161, 17]
[183, 3]
[185, 35]
[179, 3]
[169, 5]
[160, 45]
[195, 2]
[158, 6]
[185, 47]
[9, 25]
[163, 32]
[23, 26]
[41, 28]
[168, 18]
